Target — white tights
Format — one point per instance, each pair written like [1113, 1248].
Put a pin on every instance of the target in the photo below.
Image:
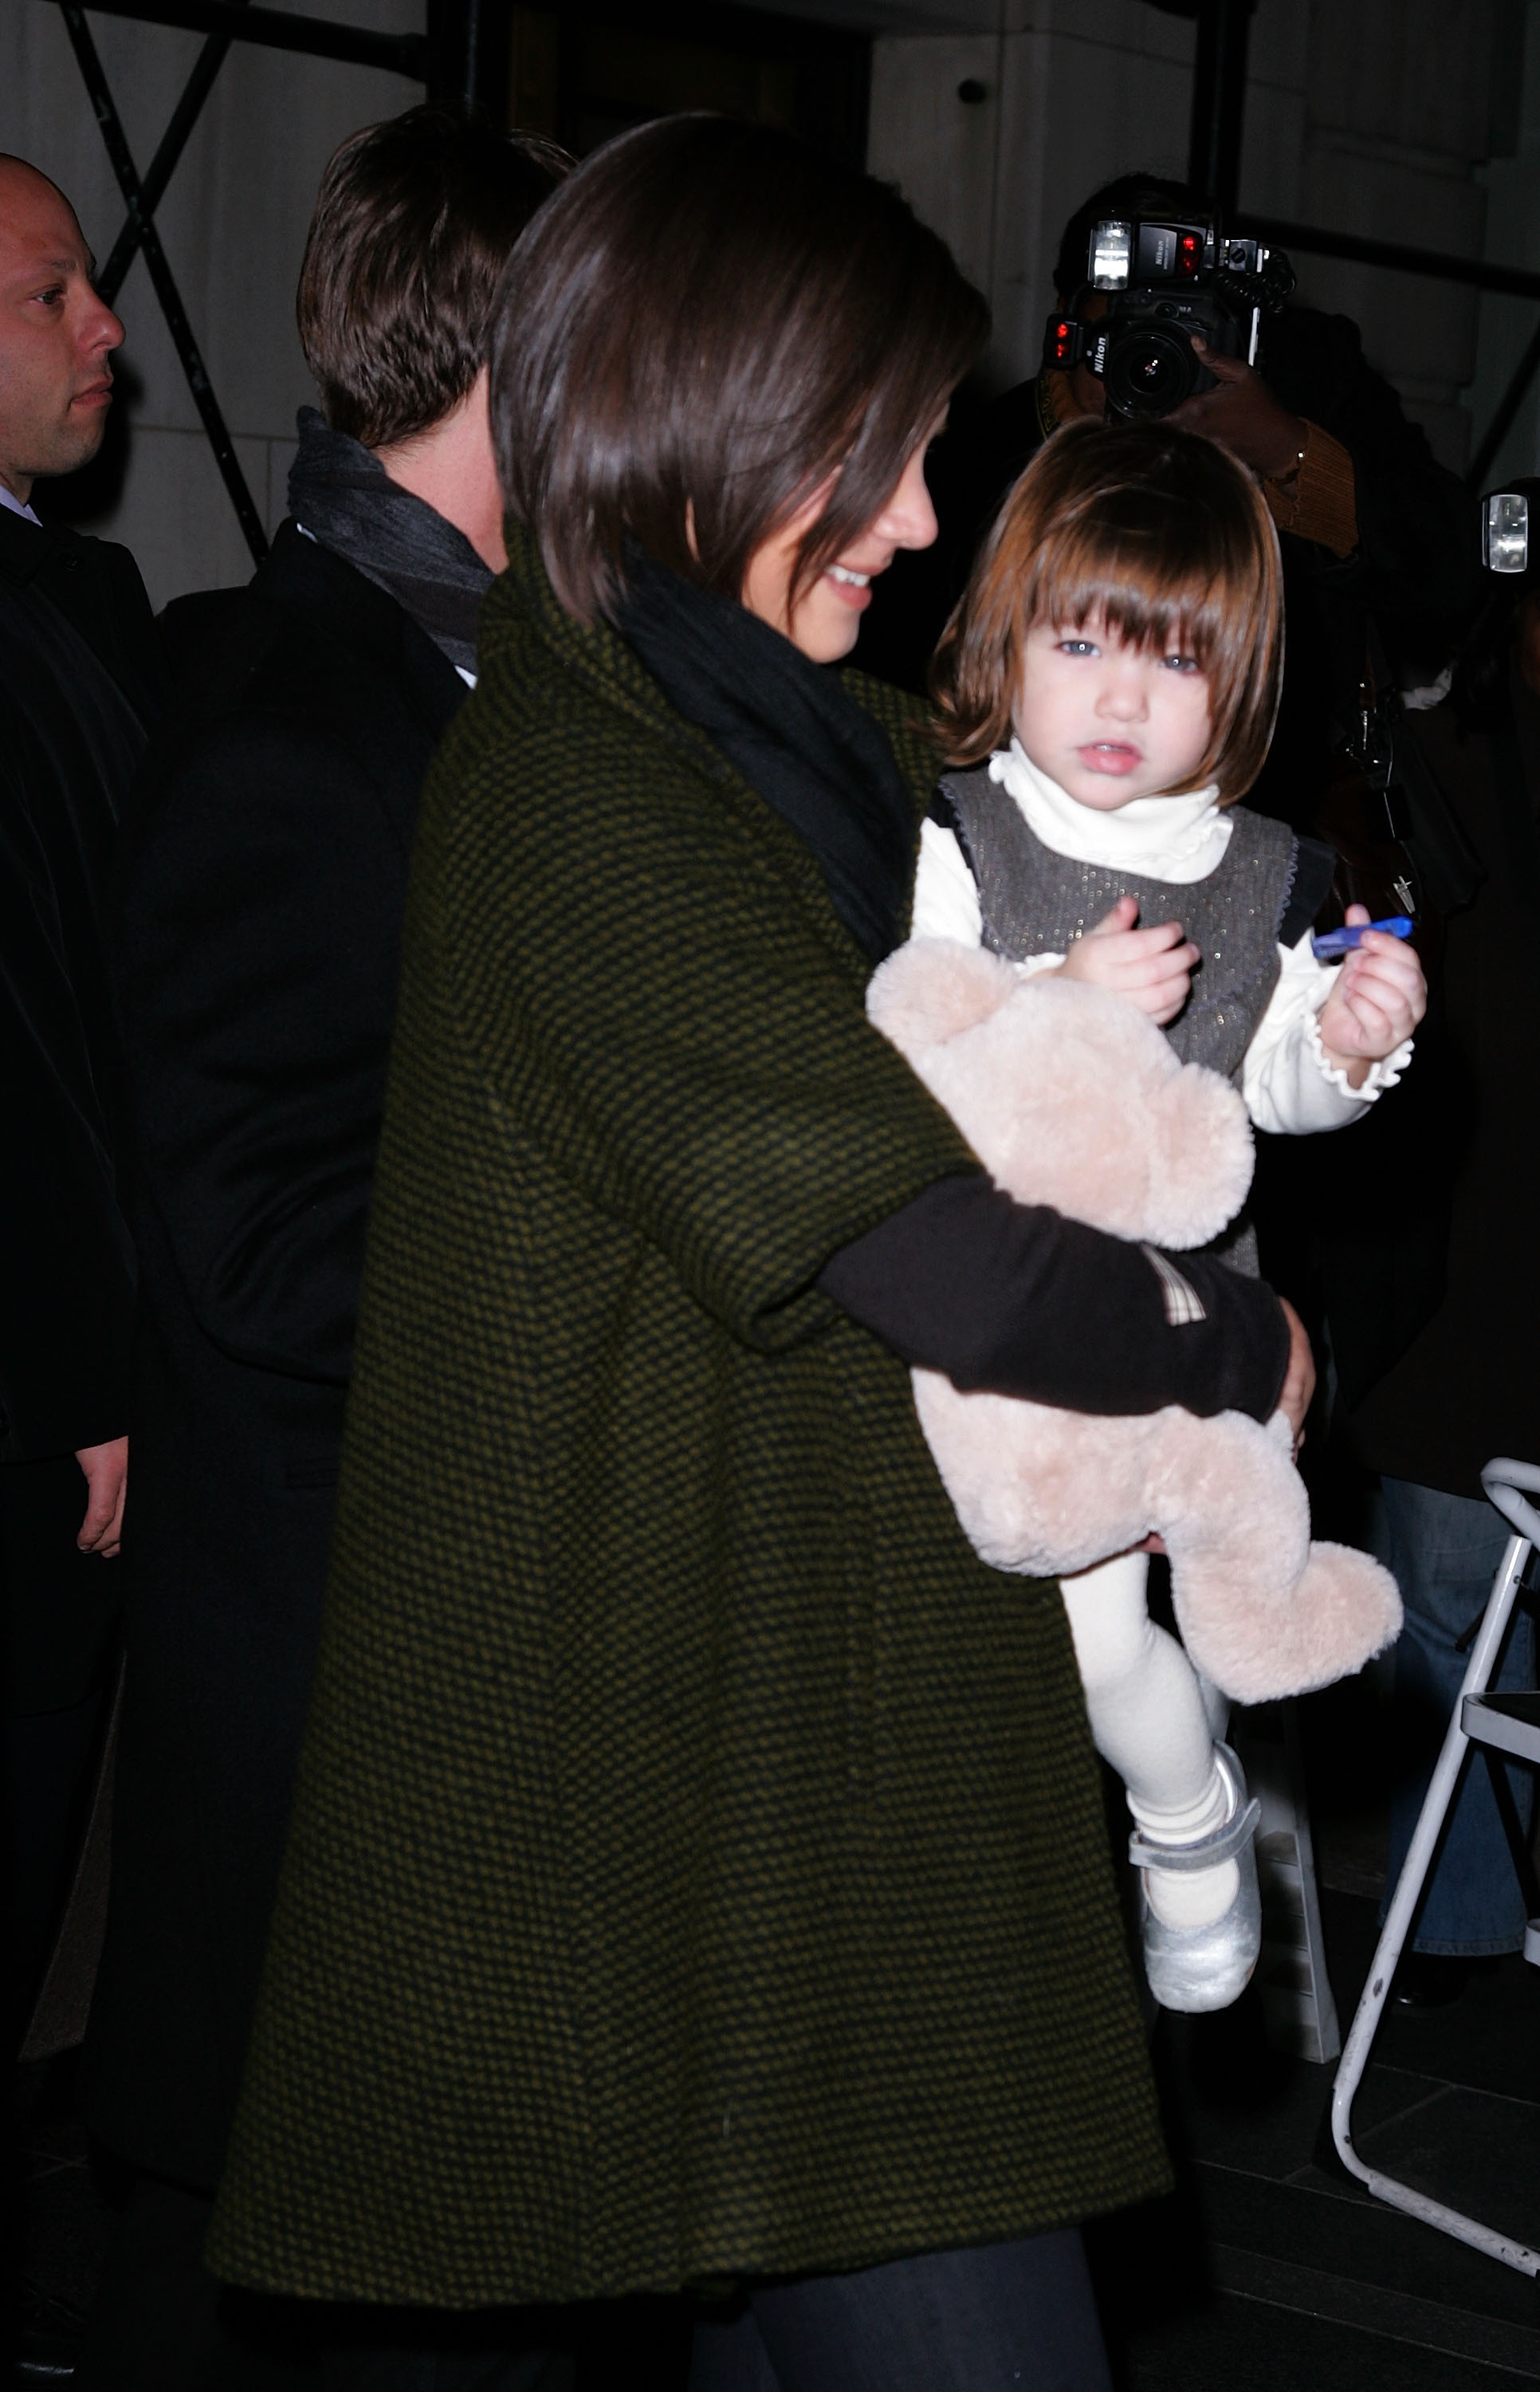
[1154, 1719]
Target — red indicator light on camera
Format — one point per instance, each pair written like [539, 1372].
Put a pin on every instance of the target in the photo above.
[1061, 343]
[1189, 252]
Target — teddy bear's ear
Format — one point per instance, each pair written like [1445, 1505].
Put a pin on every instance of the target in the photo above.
[930, 989]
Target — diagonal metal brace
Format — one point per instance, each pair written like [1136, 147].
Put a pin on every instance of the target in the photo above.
[161, 167]
[149, 239]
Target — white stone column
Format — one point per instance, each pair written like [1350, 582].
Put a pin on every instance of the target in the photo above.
[1398, 118]
[1077, 91]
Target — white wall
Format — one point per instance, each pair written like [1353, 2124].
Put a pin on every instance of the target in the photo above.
[233, 225]
[1079, 90]
[1399, 107]
[1367, 115]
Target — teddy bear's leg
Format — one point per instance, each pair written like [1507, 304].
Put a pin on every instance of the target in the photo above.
[1263, 1611]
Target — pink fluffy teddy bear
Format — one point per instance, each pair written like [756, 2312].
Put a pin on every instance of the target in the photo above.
[1162, 1153]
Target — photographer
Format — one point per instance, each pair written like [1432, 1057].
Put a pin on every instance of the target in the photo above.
[1372, 527]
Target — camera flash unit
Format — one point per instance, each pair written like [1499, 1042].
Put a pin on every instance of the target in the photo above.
[1111, 249]
[1505, 532]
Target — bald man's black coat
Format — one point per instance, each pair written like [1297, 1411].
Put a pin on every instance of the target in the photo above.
[82, 678]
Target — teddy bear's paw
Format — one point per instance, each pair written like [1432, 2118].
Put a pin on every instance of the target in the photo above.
[1199, 1158]
[1342, 1609]
[929, 990]
[1349, 1609]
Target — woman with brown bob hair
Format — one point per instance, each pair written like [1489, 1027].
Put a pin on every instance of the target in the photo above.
[697, 1880]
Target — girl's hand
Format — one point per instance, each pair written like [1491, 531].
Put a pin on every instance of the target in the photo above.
[1153, 967]
[1379, 998]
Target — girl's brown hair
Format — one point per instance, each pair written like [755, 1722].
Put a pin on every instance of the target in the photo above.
[707, 322]
[1160, 534]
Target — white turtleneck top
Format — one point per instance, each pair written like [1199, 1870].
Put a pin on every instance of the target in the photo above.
[1287, 1082]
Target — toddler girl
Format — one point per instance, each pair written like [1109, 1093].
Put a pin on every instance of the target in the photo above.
[1110, 677]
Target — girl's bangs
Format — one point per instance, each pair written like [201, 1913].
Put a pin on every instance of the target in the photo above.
[1129, 578]
[1158, 534]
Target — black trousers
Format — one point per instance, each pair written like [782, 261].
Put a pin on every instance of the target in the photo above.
[59, 1626]
[162, 2323]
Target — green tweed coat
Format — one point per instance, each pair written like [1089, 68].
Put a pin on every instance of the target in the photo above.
[698, 1866]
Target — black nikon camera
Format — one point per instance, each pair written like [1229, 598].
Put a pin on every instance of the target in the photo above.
[1163, 282]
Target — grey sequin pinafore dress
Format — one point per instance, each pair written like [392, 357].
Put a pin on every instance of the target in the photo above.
[1034, 902]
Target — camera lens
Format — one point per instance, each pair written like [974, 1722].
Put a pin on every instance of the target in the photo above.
[1149, 371]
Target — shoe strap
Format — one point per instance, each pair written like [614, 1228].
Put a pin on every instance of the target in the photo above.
[1147, 1851]
[1207, 1853]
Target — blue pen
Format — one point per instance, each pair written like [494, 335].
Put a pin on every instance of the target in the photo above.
[1341, 942]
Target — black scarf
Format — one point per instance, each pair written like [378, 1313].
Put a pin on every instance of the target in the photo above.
[810, 751]
[344, 497]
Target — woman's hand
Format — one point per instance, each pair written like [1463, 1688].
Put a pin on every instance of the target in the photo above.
[1153, 967]
[1298, 1387]
[1380, 997]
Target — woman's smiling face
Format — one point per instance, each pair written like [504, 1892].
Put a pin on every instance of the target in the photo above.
[826, 620]
[1106, 720]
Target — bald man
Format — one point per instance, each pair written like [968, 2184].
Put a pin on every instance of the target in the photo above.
[80, 683]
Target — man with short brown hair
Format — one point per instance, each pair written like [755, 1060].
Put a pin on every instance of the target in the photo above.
[264, 874]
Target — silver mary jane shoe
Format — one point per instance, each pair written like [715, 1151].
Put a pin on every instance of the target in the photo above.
[1205, 1968]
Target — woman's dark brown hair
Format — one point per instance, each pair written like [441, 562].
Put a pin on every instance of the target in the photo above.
[1160, 534]
[412, 229]
[705, 324]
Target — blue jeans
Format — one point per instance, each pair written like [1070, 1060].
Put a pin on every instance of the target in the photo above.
[426, 2370]
[1443, 1550]
[1006, 2317]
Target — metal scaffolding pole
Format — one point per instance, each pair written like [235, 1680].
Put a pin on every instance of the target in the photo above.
[174, 140]
[181, 331]
[224, 21]
[1219, 101]
[471, 44]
